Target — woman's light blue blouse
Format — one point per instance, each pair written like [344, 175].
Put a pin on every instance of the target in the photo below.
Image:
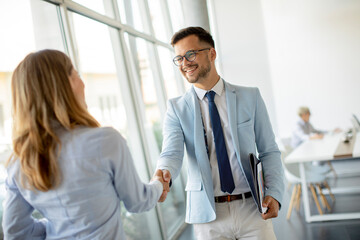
[97, 172]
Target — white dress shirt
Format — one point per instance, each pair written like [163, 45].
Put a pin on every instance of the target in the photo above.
[302, 132]
[220, 101]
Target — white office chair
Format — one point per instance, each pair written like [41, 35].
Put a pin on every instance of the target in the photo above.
[315, 178]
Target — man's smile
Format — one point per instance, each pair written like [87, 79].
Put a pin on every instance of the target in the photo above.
[189, 69]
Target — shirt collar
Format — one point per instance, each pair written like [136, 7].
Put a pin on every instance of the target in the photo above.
[301, 121]
[218, 89]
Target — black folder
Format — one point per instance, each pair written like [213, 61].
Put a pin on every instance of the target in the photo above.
[258, 180]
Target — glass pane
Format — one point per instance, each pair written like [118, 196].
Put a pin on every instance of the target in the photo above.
[97, 69]
[158, 20]
[144, 74]
[173, 89]
[105, 101]
[98, 6]
[26, 26]
[173, 208]
[133, 13]
[176, 14]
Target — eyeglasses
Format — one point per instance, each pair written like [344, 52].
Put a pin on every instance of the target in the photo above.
[189, 55]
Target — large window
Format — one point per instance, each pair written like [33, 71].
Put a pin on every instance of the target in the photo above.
[133, 13]
[143, 57]
[169, 72]
[122, 53]
[158, 19]
[176, 14]
[150, 91]
[96, 5]
[26, 26]
[106, 102]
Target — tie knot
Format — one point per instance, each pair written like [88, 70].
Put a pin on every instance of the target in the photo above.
[210, 95]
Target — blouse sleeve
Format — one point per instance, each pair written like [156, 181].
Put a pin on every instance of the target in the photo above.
[136, 195]
[17, 220]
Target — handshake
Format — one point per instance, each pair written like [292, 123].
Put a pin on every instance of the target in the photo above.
[164, 177]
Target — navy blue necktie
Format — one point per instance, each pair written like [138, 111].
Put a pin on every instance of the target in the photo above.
[226, 177]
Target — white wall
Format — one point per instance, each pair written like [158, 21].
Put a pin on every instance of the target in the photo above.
[299, 52]
[241, 46]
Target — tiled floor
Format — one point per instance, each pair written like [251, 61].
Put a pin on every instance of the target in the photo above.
[297, 229]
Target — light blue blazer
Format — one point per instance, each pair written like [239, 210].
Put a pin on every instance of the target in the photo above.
[251, 132]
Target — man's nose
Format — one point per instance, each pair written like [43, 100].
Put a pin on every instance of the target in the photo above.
[185, 62]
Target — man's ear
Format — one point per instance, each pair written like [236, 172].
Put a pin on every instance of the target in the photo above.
[212, 54]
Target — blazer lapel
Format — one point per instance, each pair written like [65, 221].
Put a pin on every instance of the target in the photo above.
[232, 110]
[232, 113]
[199, 144]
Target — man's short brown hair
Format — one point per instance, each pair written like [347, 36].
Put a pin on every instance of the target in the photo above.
[202, 34]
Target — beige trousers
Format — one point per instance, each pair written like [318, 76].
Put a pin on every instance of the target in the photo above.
[239, 219]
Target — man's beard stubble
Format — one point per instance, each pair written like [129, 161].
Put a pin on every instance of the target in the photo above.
[203, 73]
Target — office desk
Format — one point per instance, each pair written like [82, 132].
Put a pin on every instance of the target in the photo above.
[324, 150]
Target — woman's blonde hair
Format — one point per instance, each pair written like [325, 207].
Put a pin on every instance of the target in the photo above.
[42, 98]
[303, 110]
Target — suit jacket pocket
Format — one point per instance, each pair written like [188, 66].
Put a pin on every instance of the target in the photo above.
[246, 123]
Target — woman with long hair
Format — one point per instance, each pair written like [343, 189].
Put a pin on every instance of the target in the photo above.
[74, 172]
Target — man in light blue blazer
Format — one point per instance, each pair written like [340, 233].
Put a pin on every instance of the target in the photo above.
[220, 125]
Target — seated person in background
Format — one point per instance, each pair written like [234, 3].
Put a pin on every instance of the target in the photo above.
[74, 172]
[304, 130]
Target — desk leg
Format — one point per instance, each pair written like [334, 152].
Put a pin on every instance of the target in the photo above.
[305, 192]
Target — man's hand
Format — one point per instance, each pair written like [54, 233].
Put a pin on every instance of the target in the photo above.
[272, 208]
[164, 177]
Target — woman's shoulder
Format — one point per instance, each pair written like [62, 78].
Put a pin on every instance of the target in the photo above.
[83, 130]
[100, 133]
[87, 141]
[12, 168]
